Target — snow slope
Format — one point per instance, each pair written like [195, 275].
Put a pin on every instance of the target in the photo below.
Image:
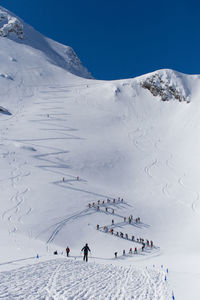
[121, 140]
[69, 279]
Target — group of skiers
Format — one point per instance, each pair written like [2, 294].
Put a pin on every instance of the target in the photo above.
[122, 235]
[130, 219]
[130, 252]
[77, 178]
[108, 201]
[135, 249]
[97, 205]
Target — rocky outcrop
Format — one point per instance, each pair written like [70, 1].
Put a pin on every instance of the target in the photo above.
[10, 25]
[164, 88]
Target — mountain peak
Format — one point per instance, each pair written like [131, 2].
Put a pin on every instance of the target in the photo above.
[15, 29]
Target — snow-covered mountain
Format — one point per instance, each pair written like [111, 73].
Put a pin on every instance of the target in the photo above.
[20, 33]
[68, 140]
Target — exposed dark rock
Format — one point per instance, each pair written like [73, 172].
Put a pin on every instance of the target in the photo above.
[166, 91]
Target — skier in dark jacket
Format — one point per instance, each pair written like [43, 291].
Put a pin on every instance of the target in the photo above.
[85, 250]
[67, 251]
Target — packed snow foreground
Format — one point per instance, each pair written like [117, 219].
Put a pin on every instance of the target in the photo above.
[114, 164]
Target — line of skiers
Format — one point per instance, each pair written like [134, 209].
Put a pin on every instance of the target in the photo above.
[119, 200]
[135, 249]
[122, 235]
[77, 178]
[130, 252]
[130, 219]
[113, 222]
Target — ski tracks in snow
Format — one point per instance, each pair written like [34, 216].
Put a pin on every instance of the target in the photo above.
[61, 224]
[19, 207]
[64, 279]
[148, 168]
[196, 197]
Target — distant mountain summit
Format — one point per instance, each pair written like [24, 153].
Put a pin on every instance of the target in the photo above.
[15, 29]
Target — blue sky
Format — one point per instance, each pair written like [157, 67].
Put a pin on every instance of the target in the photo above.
[120, 39]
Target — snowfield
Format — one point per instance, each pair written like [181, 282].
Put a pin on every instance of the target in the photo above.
[71, 279]
[67, 141]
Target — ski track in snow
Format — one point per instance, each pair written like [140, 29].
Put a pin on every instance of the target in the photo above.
[148, 168]
[137, 136]
[194, 205]
[165, 190]
[19, 207]
[66, 279]
[61, 224]
[196, 196]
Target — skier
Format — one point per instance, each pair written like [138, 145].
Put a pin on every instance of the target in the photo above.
[133, 238]
[114, 200]
[89, 205]
[97, 226]
[115, 254]
[135, 251]
[113, 211]
[111, 231]
[98, 202]
[97, 207]
[124, 252]
[151, 244]
[67, 251]
[105, 228]
[130, 251]
[112, 222]
[143, 246]
[106, 209]
[126, 236]
[85, 250]
[129, 220]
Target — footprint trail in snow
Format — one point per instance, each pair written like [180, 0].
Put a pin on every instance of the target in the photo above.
[63, 279]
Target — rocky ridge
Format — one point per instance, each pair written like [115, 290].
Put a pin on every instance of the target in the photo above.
[9, 25]
[164, 88]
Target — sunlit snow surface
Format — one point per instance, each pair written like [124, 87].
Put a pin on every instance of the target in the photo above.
[120, 141]
[71, 279]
